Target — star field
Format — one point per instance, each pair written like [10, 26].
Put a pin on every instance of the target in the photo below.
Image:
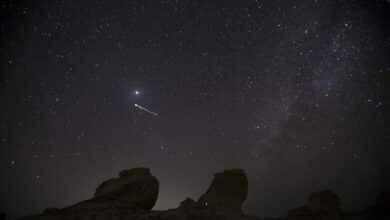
[291, 91]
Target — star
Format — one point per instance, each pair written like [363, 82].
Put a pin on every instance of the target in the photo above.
[267, 87]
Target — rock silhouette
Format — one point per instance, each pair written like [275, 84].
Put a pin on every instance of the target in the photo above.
[322, 205]
[132, 195]
[135, 191]
[381, 209]
[227, 192]
[135, 187]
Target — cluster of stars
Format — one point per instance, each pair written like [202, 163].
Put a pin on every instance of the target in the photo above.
[237, 84]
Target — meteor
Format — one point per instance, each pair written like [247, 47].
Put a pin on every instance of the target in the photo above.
[145, 109]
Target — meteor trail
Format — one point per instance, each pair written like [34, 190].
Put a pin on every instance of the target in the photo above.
[145, 109]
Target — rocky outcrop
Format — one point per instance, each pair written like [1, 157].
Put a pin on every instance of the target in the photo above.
[323, 205]
[227, 192]
[132, 195]
[223, 200]
[135, 187]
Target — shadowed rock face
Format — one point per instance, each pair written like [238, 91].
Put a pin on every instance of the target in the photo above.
[227, 192]
[381, 209]
[323, 201]
[382, 205]
[320, 205]
[135, 187]
[134, 192]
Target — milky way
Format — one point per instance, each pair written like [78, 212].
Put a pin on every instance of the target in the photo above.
[291, 91]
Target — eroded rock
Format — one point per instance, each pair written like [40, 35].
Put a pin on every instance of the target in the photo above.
[227, 192]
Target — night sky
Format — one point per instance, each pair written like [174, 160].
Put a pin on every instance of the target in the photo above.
[291, 91]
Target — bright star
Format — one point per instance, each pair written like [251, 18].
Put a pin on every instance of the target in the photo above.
[136, 92]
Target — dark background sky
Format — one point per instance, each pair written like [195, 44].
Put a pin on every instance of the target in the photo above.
[291, 91]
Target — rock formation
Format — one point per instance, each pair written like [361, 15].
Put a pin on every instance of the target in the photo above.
[134, 192]
[227, 192]
[323, 205]
[136, 187]
[132, 195]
